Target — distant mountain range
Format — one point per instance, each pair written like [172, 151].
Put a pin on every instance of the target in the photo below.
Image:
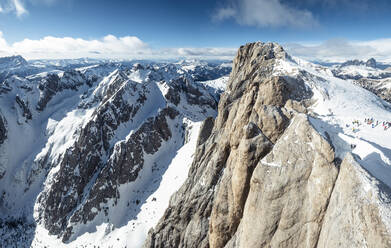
[268, 150]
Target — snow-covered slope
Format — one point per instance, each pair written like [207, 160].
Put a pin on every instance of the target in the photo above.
[275, 168]
[342, 109]
[91, 151]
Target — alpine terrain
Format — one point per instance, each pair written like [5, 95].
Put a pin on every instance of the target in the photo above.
[267, 151]
[92, 150]
[296, 157]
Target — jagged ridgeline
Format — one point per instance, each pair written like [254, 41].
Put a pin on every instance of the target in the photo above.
[89, 147]
[270, 171]
[282, 153]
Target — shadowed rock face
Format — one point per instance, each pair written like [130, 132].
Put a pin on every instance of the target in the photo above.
[83, 160]
[52, 84]
[25, 108]
[263, 176]
[3, 137]
[3, 129]
[91, 154]
[208, 208]
[89, 175]
[124, 166]
[193, 94]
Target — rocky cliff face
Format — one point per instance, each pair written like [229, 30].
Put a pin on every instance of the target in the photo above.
[358, 210]
[263, 176]
[94, 145]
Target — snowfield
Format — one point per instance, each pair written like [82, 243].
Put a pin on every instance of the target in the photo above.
[339, 103]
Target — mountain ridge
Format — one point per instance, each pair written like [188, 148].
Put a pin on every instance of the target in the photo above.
[270, 156]
[268, 173]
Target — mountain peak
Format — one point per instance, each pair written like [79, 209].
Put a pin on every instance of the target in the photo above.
[369, 63]
[12, 61]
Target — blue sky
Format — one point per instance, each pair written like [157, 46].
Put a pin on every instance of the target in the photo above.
[154, 27]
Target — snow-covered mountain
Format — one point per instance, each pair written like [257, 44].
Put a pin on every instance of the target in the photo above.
[357, 69]
[7, 63]
[283, 152]
[295, 158]
[370, 75]
[96, 149]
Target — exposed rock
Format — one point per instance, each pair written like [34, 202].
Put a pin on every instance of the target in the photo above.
[190, 90]
[371, 63]
[89, 145]
[123, 166]
[24, 106]
[264, 177]
[289, 192]
[3, 129]
[358, 69]
[357, 213]
[185, 222]
[235, 184]
[53, 83]
[83, 160]
[380, 87]
[205, 131]
[251, 117]
[3, 137]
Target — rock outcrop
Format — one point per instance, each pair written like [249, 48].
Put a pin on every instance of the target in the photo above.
[358, 209]
[263, 176]
[53, 83]
[251, 117]
[84, 160]
[3, 129]
[379, 87]
[289, 192]
[369, 63]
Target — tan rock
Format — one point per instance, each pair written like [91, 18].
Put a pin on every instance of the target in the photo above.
[264, 177]
[358, 211]
[289, 191]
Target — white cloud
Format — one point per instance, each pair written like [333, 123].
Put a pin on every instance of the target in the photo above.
[265, 13]
[207, 52]
[339, 50]
[68, 47]
[13, 6]
[110, 46]
[19, 8]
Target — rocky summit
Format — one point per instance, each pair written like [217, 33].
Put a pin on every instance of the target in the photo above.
[282, 153]
[271, 172]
